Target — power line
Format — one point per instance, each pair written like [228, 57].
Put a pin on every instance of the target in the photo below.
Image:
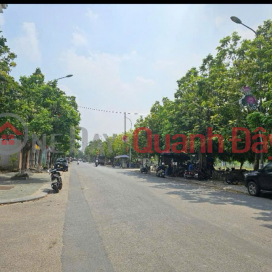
[111, 111]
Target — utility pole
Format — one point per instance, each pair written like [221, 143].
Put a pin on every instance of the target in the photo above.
[130, 144]
[260, 104]
[125, 130]
[125, 146]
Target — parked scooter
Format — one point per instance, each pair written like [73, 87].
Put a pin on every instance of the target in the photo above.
[190, 174]
[56, 180]
[202, 174]
[145, 169]
[197, 174]
[160, 172]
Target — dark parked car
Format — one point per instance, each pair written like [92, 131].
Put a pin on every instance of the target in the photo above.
[260, 180]
[61, 164]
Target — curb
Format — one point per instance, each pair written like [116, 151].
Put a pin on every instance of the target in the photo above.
[209, 185]
[41, 193]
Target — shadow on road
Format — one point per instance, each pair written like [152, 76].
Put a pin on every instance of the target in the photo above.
[201, 194]
[37, 178]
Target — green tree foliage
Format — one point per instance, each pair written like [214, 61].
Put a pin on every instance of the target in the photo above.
[42, 105]
[208, 96]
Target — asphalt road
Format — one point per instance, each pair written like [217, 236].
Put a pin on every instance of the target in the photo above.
[118, 220]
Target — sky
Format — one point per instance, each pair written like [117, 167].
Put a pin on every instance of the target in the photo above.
[123, 58]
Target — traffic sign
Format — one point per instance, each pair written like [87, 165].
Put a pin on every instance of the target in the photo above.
[125, 139]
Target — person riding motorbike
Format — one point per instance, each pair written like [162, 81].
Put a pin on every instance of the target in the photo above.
[190, 167]
[161, 170]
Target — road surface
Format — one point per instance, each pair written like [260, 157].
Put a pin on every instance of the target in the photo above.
[109, 219]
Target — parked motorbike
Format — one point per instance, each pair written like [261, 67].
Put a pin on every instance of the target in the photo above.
[56, 180]
[145, 169]
[160, 172]
[178, 172]
[202, 174]
[190, 174]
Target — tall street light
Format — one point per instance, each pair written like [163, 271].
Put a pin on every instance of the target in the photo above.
[64, 77]
[238, 21]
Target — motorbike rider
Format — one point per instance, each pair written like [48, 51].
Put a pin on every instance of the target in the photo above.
[144, 168]
[161, 167]
[191, 167]
[96, 162]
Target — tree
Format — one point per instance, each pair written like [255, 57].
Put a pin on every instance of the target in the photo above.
[43, 106]
[208, 96]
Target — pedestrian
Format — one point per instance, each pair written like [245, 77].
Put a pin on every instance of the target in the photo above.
[169, 172]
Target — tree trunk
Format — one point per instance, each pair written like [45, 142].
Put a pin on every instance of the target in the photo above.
[24, 158]
[202, 160]
[39, 160]
[27, 157]
[256, 162]
[50, 160]
[241, 165]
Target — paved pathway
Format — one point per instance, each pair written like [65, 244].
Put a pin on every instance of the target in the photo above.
[37, 185]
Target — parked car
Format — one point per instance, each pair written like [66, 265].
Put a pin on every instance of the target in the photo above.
[260, 180]
[61, 164]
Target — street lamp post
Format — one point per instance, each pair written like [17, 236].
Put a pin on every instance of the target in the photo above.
[125, 124]
[130, 144]
[64, 77]
[238, 21]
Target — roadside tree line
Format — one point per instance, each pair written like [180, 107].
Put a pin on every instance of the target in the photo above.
[111, 146]
[45, 108]
[208, 96]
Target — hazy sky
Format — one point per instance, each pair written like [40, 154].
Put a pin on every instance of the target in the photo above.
[123, 57]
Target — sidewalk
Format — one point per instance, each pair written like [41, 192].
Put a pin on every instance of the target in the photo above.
[12, 191]
[209, 183]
